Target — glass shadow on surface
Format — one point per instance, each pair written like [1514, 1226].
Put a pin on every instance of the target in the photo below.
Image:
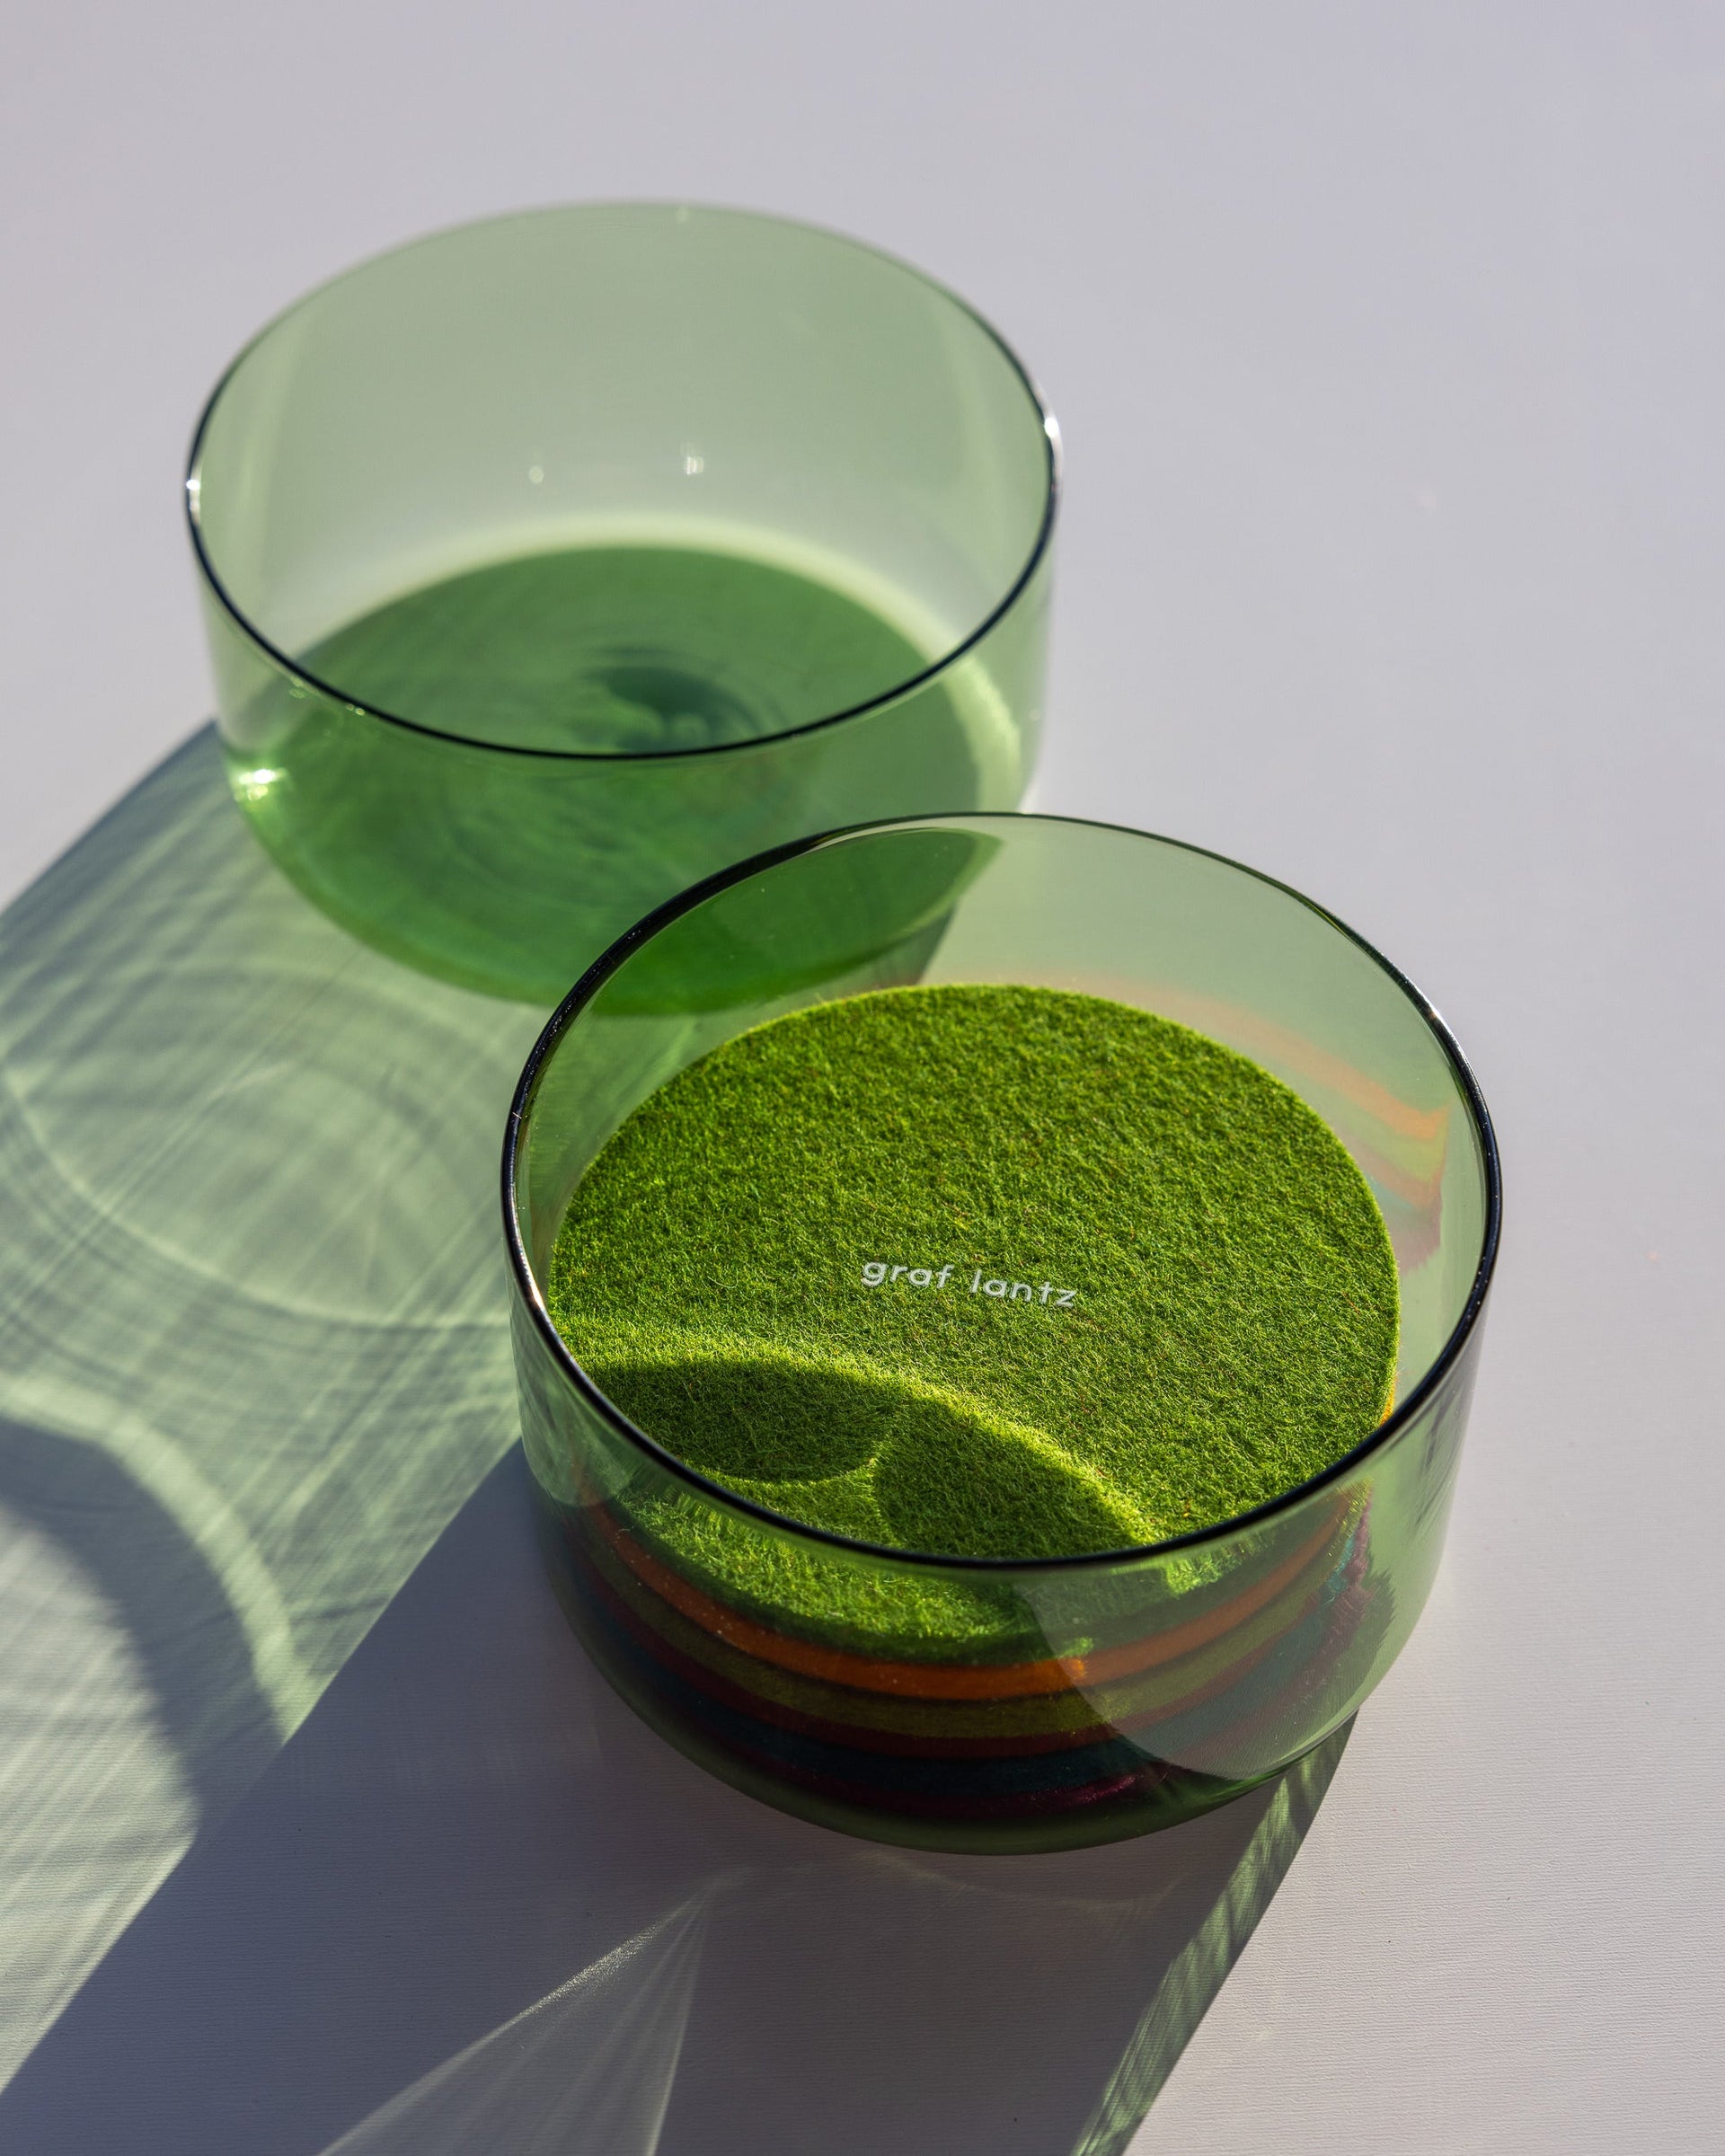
[254, 1352]
[255, 1362]
[477, 1904]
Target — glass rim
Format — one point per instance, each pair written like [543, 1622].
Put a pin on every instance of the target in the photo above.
[1047, 426]
[644, 930]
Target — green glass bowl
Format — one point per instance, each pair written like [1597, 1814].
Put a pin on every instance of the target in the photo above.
[982, 1704]
[655, 378]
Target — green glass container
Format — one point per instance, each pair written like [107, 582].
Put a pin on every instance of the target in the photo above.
[553, 562]
[983, 1703]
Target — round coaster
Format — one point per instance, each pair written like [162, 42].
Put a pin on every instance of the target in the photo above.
[983, 1271]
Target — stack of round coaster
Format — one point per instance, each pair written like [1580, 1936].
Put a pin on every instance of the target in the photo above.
[1165, 1708]
[992, 1275]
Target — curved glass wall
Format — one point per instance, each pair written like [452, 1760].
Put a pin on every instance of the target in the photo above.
[981, 1703]
[554, 562]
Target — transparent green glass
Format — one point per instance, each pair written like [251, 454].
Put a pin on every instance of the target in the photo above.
[981, 1703]
[553, 562]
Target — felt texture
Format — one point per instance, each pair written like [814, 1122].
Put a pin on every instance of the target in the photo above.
[826, 1266]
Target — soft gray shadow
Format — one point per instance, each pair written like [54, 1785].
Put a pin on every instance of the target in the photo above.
[476, 1905]
[166, 1599]
[253, 1352]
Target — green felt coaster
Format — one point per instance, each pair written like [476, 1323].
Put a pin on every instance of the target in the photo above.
[986, 1271]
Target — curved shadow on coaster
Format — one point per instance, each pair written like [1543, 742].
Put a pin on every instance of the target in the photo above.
[255, 1357]
[476, 1905]
[868, 1452]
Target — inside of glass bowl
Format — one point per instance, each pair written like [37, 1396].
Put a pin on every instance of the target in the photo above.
[1076, 907]
[622, 478]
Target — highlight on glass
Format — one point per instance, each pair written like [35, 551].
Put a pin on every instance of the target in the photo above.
[553, 562]
[991, 1702]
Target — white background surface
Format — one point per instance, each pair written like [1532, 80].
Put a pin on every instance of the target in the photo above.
[1388, 345]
